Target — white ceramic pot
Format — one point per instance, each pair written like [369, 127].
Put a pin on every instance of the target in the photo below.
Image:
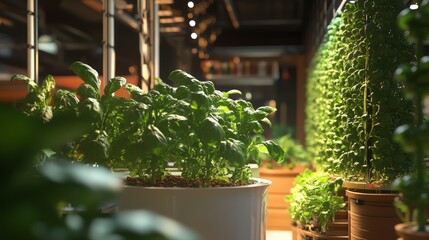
[224, 213]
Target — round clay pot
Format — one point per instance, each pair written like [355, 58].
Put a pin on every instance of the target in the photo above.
[372, 216]
[407, 231]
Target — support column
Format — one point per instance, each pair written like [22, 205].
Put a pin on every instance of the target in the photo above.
[32, 36]
[108, 41]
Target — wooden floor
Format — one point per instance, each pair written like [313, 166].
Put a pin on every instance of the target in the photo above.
[279, 235]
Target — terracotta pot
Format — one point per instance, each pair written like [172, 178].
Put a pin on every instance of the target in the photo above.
[372, 216]
[336, 230]
[282, 180]
[228, 213]
[408, 232]
[340, 226]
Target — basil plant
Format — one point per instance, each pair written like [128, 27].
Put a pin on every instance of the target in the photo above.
[103, 112]
[203, 131]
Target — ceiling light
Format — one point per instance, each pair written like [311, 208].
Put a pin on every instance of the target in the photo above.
[414, 6]
[352, 1]
[190, 4]
[192, 23]
[194, 35]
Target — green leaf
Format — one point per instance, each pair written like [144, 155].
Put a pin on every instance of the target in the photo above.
[87, 91]
[182, 92]
[274, 150]
[209, 87]
[267, 109]
[234, 151]
[95, 148]
[86, 73]
[135, 92]
[46, 113]
[65, 98]
[180, 77]
[232, 92]
[200, 101]
[154, 141]
[114, 85]
[48, 84]
[32, 85]
[259, 115]
[210, 132]
[90, 108]
[267, 121]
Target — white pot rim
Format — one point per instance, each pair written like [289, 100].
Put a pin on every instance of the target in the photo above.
[257, 182]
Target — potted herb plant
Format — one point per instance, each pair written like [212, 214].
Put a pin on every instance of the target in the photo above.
[414, 199]
[209, 137]
[99, 107]
[317, 208]
[354, 107]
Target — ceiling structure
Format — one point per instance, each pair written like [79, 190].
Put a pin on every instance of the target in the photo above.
[72, 30]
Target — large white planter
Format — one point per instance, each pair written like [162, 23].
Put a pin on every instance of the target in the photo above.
[224, 213]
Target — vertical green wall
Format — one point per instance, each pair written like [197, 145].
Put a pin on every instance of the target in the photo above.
[353, 103]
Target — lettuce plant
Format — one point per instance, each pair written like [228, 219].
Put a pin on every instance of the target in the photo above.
[314, 200]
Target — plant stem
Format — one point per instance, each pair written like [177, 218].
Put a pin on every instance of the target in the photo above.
[208, 167]
[153, 168]
[366, 111]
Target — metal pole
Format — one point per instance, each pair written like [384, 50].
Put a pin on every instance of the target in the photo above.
[143, 47]
[108, 40]
[32, 35]
[151, 42]
[155, 58]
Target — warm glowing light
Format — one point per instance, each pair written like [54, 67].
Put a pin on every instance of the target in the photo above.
[414, 6]
[165, 13]
[248, 95]
[190, 4]
[171, 20]
[194, 35]
[170, 29]
[236, 60]
[190, 15]
[132, 69]
[192, 23]
[272, 103]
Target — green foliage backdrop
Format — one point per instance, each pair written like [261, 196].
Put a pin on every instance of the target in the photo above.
[353, 102]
